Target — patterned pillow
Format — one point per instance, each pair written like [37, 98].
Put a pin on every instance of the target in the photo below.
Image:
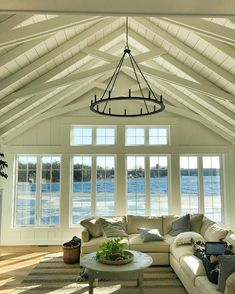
[187, 238]
[93, 226]
[148, 235]
[112, 228]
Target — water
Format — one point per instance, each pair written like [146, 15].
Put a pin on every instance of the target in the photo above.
[105, 201]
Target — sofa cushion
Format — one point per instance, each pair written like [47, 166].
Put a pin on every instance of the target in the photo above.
[136, 243]
[192, 267]
[187, 238]
[151, 222]
[204, 286]
[196, 222]
[215, 233]
[93, 226]
[149, 235]
[179, 251]
[206, 222]
[166, 223]
[230, 284]
[227, 266]
[180, 225]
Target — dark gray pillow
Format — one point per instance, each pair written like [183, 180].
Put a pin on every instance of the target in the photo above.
[148, 235]
[227, 266]
[196, 222]
[180, 225]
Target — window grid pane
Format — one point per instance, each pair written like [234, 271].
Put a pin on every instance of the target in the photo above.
[50, 191]
[26, 191]
[105, 185]
[81, 136]
[158, 185]
[81, 188]
[136, 185]
[189, 184]
[135, 136]
[105, 136]
[212, 187]
[158, 136]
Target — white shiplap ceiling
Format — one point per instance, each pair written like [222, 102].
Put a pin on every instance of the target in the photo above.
[48, 61]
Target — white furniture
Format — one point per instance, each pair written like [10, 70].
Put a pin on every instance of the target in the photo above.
[188, 267]
[130, 271]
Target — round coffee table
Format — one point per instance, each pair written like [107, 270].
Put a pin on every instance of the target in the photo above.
[130, 271]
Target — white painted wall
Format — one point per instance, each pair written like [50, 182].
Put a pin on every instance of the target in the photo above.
[52, 136]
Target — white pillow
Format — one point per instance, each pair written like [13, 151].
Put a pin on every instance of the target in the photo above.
[187, 238]
[215, 233]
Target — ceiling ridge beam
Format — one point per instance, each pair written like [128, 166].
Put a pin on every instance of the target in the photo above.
[186, 49]
[205, 27]
[43, 28]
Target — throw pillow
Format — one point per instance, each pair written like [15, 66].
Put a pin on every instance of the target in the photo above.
[93, 226]
[196, 222]
[227, 266]
[112, 228]
[215, 233]
[180, 225]
[148, 235]
[187, 238]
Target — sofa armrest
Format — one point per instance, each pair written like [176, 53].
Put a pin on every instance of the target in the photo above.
[85, 235]
[230, 284]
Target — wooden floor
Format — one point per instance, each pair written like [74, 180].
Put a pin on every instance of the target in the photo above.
[17, 261]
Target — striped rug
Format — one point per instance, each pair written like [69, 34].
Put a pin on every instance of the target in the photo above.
[53, 276]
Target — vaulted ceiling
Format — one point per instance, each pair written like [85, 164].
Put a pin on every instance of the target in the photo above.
[47, 62]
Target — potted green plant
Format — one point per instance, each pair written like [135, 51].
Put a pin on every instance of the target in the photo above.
[113, 252]
[3, 164]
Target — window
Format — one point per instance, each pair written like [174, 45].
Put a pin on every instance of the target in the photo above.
[92, 135]
[81, 136]
[136, 185]
[105, 185]
[37, 191]
[135, 136]
[158, 136]
[189, 184]
[212, 187]
[147, 136]
[158, 185]
[105, 136]
[93, 190]
[81, 188]
[207, 196]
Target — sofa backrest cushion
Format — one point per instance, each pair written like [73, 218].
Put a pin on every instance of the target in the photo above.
[215, 233]
[196, 222]
[112, 228]
[150, 222]
[93, 226]
[180, 225]
[230, 239]
[166, 223]
[206, 222]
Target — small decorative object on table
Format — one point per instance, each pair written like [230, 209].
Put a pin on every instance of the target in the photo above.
[71, 250]
[112, 252]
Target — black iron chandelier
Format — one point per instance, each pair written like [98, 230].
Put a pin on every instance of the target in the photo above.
[148, 105]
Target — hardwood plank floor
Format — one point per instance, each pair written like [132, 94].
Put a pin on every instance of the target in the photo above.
[17, 261]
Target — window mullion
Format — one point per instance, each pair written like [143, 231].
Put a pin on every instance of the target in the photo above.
[147, 186]
[200, 185]
[93, 188]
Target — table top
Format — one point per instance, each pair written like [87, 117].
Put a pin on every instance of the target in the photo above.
[140, 261]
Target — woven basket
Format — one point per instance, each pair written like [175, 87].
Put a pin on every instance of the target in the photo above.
[71, 254]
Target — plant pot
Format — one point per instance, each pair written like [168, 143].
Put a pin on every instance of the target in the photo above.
[71, 254]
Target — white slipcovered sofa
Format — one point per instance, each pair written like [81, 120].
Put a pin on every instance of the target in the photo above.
[171, 250]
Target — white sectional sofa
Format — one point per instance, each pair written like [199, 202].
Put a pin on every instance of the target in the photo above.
[181, 257]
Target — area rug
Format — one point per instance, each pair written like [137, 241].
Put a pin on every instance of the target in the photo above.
[53, 276]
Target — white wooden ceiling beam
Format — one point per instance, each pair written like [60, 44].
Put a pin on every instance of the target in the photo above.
[20, 50]
[186, 49]
[207, 90]
[100, 54]
[65, 47]
[13, 21]
[40, 29]
[204, 27]
[122, 7]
